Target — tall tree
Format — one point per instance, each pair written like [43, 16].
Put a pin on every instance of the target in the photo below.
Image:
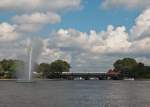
[127, 66]
[53, 70]
[44, 70]
[8, 68]
[59, 66]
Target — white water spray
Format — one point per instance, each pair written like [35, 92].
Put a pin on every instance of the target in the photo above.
[25, 72]
[33, 48]
[30, 63]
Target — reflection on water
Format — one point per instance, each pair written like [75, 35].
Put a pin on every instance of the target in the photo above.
[75, 94]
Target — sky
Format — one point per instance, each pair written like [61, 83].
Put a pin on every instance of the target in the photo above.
[90, 34]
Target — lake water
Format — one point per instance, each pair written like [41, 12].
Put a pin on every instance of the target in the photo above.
[75, 94]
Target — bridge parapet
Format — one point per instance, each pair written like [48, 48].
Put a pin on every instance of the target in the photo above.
[86, 76]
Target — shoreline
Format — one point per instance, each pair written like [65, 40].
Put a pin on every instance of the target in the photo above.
[73, 80]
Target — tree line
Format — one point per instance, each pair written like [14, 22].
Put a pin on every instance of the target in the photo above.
[9, 67]
[126, 67]
[130, 68]
[53, 70]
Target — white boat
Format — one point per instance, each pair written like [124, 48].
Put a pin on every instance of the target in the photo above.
[129, 79]
[78, 78]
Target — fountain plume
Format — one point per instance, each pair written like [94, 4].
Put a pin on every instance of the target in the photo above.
[32, 50]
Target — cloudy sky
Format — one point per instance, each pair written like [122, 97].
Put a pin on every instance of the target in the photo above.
[89, 34]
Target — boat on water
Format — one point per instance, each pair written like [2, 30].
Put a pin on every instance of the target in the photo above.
[129, 79]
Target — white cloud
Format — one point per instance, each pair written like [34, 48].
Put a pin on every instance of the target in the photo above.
[93, 51]
[142, 25]
[87, 51]
[141, 46]
[69, 40]
[35, 21]
[140, 34]
[50, 54]
[96, 51]
[144, 59]
[128, 4]
[7, 32]
[37, 13]
[38, 5]
[112, 40]
[37, 18]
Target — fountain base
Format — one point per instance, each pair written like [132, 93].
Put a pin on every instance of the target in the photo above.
[25, 81]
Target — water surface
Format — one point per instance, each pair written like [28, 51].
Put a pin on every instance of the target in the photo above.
[75, 94]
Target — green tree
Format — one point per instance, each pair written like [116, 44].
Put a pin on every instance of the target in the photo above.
[44, 70]
[53, 70]
[8, 68]
[1, 71]
[142, 71]
[126, 66]
[59, 66]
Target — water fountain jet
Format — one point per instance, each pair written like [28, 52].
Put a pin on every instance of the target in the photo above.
[27, 78]
[33, 49]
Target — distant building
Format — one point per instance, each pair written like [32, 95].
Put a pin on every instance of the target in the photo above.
[113, 72]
